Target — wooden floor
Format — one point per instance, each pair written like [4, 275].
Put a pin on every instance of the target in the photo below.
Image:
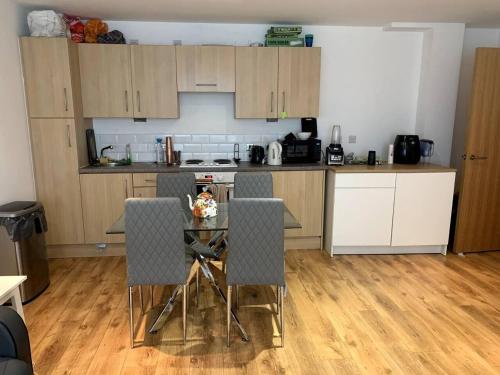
[415, 314]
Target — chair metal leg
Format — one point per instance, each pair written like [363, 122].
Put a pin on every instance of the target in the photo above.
[141, 299]
[228, 314]
[282, 316]
[197, 287]
[131, 316]
[184, 311]
[151, 295]
[237, 296]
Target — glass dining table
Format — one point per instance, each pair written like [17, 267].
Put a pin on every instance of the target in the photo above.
[192, 227]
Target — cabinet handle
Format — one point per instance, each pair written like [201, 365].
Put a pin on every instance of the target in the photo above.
[476, 157]
[138, 101]
[206, 84]
[126, 187]
[272, 100]
[65, 99]
[283, 102]
[149, 180]
[126, 100]
[68, 133]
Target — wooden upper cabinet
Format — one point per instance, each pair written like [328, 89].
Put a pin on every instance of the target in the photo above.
[154, 81]
[47, 77]
[54, 143]
[256, 82]
[205, 68]
[298, 83]
[106, 80]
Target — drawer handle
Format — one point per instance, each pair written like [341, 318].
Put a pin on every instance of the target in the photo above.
[126, 187]
[477, 157]
[149, 180]
[207, 84]
[68, 133]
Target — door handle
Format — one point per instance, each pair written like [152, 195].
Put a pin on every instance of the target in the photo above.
[283, 101]
[126, 100]
[272, 100]
[68, 133]
[65, 99]
[138, 101]
[477, 157]
[125, 182]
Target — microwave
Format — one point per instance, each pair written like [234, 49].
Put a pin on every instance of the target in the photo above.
[301, 151]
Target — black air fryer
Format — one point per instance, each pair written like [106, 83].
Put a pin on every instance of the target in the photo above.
[406, 149]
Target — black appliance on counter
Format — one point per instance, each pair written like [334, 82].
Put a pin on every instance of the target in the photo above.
[310, 125]
[406, 149]
[301, 151]
[256, 154]
[91, 147]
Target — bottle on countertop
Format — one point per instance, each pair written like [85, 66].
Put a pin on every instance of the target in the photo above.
[390, 154]
[159, 150]
[128, 153]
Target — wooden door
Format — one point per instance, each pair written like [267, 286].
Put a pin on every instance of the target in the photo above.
[106, 80]
[298, 83]
[205, 68]
[154, 81]
[47, 77]
[256, 82]
[478, 220]
[103, 201]
[302, 193]
[55, 160]
[422, 209]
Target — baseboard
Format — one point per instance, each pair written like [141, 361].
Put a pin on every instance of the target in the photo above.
[302, 243]
[346, 250]
[82, 251]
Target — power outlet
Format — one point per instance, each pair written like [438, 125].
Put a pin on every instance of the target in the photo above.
[352, 139]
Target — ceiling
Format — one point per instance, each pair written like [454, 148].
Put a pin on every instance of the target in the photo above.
[322, 12]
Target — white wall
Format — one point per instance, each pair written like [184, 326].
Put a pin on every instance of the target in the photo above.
[369, 84]
[473, 39]
[16, 172]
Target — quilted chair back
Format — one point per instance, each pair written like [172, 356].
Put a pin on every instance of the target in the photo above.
[154, 229]
[176, 185]
[256, 242]
[253, 185]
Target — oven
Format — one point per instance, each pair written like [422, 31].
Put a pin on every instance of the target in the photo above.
[222, 182]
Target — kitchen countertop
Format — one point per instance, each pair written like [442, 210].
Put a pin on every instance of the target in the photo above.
[243, 166]
[391, 168]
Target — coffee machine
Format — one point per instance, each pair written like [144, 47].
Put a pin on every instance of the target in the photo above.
[335, 152]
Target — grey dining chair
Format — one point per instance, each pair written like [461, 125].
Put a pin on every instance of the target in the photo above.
[253, 185]
[256, 243]
[176, 185]
[156, 253]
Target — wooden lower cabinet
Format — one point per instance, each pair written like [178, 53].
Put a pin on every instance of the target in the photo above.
[55, 162]
[145, 192]
[103, 197]
[303, 194]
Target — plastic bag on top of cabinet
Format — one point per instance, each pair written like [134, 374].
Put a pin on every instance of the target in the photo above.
[46, 23]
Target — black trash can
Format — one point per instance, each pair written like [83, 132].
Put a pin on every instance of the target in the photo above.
[22, 246]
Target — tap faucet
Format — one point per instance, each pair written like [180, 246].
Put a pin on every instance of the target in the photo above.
[110, 147]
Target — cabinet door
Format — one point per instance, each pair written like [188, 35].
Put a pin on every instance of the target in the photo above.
[205, 68]
[154, 81]
[47, 77]
[362, 216]
[302, 193]
[256, 82]
[57, 180]
[106, 80]
[299, 76]
[422, 208]
[103, 201]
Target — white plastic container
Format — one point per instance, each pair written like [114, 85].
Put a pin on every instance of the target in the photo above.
[390, 154]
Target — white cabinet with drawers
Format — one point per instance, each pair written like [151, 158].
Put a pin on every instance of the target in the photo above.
[387, 213]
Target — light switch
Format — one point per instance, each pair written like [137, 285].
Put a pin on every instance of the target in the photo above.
[352, 139]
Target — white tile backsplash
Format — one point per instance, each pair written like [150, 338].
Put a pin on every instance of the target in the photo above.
[196, 146]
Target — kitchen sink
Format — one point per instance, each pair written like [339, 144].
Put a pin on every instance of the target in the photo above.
[112, 164]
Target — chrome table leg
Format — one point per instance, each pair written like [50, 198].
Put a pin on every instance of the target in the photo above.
[160, 320]
[208, 274]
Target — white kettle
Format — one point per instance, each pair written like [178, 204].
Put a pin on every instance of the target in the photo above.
[274, 153]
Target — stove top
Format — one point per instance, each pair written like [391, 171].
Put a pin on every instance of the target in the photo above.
[216, 163]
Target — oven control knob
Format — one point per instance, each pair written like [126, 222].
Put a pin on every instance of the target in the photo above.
[218, 177]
